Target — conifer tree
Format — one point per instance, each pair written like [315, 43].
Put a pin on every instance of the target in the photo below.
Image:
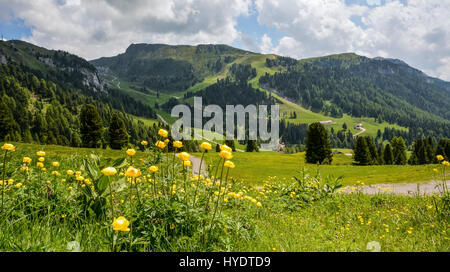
[118, 136]
[361, 152]
[91, 127]
[399, 150]
[318, 146]
[387, 155]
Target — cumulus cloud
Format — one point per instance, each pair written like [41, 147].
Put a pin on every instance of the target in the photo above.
[416, 32]
[106, 27]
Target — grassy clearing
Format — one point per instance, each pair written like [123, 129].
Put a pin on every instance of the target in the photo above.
[264, 212]
[285, 166]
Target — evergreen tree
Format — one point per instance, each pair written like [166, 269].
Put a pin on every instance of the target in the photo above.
[443, 148]
[399, 150]
[318, 146]
[361, 152]
[91, 127]
[118, 136]
[387, 155]
[251, 146]
[372, 150]
[380, 157]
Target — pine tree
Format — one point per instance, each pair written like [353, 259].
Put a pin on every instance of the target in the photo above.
[372, 150]
[118, 136]
[361, 152]
[443, 148]
[399, 150]
[380, 155]
[387, 155]
[318, 146]
[251, 146]
[91, 127]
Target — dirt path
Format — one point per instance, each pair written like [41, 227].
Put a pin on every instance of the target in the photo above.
[361, 132]
[196, 164]
[432, 187]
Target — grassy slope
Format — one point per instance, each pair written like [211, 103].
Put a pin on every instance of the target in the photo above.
[258, 61]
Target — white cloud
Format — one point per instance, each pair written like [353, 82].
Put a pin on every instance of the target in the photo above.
[106, 27]
[417, 33]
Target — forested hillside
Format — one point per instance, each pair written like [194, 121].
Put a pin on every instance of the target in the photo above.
[43, 91]
[359, 86]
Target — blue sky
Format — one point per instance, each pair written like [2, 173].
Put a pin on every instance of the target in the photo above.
[415, 31]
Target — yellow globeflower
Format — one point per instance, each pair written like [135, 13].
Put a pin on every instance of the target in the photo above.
[26, 159]
[69, 172]
[55, 164]
[163, 133]
[206, 146]
[40, 164]
[187, 163]
[153, 169]
[166, 141]
[131, 152]
[226, 154]
[132, 172]
[160, 144]
[177, 144]
[446, 163]
[144, 143]
[41, 153]
[229, 164]
[184, 156]
[121, 224]
[226, 148]
[41, 159]
[109, 171]
[440, 157]
[9, 147]
[18, 185]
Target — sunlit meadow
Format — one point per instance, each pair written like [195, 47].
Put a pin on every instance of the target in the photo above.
[64, 199]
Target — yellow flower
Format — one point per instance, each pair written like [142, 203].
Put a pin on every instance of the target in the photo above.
[121, 224]
[440, 157]
[172, 226]
[18, 185]
[153, 169]
[69, 172]
[166, 141]
[226, 148]
[41, 153]
[55, 164]
[26, 159]
[446, 163]
[259, 204]
[177, 144]
[435, 170]
[160, 144]
[131, 152]
[41, 159]
[79, 178]
[226, 154]
[163, 133]
[56, 173]
[229, 164]
[132, 172]
[8, 147]
[206, 146]
[40, 164]
[144, 143]
[109, 171]
[184, 156]
[187, 163]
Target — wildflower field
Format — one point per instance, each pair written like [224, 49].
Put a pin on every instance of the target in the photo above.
[71, 199]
